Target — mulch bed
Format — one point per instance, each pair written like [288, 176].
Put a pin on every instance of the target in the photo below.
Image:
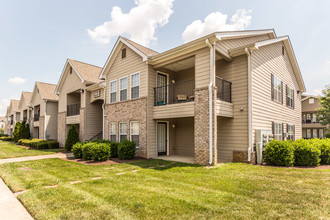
[108, 162]
[321, 167]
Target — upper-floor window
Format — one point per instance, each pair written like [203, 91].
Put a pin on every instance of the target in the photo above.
[311, 101]
[112, 131]
[290, 131]
[289, 97]
[123, 53]
[278, 131]
[135, 132]
[113, 91]
[135, 85]
[123, 89]
[122, 131]
[277, 89]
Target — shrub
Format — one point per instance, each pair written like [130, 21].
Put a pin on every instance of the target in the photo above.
[72, 138]
[126, 150]
[306, 153]
[21, 131]
[87, 152]
[41, 145]
[327, 135]
[101, 152]
[53, 144]
[77, 149]
[279, 153]
[324, 146]
[7, 138]
[113, 149]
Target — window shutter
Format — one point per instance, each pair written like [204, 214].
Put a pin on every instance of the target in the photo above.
[282, 131]
[286, 95]
[273, 128]
[294, 132]
[271, 86]
[281, 92]
[293, 99]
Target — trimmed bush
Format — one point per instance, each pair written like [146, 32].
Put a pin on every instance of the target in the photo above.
[126, 150]
[324, 146]
[7, 138]
[306, 153]
[279, 153]
[101, 152]
[113, 149]
[72, 138]
[77, 149]
[87, 152]
[53, 144]
[41, 145]
[327, 135]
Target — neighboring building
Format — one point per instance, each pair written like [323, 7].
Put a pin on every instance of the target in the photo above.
[311, 126]
[13, 116]
[3, 123]
[25, 108]
[80, 101]
[44, 104]
[161, 100]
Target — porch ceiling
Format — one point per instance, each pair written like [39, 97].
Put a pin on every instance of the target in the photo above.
[181, 65]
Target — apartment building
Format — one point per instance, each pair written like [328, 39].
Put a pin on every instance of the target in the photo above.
[44, 104]
[203, 101]
[25, 109]
[13, 116]
[80, 95]
[3, 124]
[311, 126]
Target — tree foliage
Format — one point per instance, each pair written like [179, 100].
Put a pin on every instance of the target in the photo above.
[323, 113]
[21, 131]
[72, 138]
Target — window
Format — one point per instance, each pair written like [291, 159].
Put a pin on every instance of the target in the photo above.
[135, 85]
[289, 97]
[311, 101]
[112, 131]
[276, 89]
[278, 134]
[122, 131]
[135, 132]
[315, 134]
[314, 118]
[113, 91]
[308, 133]
[123, 89]
[123, 53]
[97, 93]
[321, 133]
[290, 131]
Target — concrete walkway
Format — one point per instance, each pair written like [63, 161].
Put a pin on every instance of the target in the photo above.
[10, 207]
[39, 157]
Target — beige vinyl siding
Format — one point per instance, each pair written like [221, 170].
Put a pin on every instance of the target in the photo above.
[151, 124]
[264, 62]
[51, 120]
[71, 83]
[233, 132]
[225, 109]
[93, 117]
[37, 100]
[120, 68]
[306, 107]
[202, 68]
[174, 111]
[184, 136]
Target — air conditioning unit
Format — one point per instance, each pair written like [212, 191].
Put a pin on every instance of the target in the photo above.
[262, 138]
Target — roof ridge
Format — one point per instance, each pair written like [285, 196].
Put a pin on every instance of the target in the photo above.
[46, 83]
[139, 44]
[85, 63]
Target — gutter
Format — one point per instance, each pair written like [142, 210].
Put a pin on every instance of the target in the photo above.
[45, 119]
[103, 105]
[249, 103]
[210, 101]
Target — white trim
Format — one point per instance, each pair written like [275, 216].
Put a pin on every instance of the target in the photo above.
[122, 122]
[167, 136]
[111, 92]
[239, 34]
[168, 82]
[130, 85]
[110, 130]
[123, 89]
[130, 132]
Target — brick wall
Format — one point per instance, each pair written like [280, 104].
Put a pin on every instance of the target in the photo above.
[127, 111]
[61, 128]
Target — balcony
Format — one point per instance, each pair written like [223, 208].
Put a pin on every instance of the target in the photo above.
[36, 117]
[73, 109]
[224, 89]
[180, 92]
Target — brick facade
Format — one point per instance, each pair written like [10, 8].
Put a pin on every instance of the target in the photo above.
[61, 128]
[41, 127]
[127, 111]
[201, 121]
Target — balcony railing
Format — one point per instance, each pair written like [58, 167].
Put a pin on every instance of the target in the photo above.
[175, 93]
[36, 117]
[73, 109]
[224, 89]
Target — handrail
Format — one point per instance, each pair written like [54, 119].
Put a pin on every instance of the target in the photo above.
[224, 89]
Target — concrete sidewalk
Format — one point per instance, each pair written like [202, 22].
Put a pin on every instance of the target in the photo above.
[40, 157]
[10, 207]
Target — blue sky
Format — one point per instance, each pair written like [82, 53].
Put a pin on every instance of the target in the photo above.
[37, 36]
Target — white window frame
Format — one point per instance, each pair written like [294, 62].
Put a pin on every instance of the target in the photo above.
[168, 135]
[120, 89]
[97, 93]
[277, 82]
[310, 133]
[321, 129]
[278, 132]
[290, 102]
[311, 101]
[120, 130]
[131, 132]
[111, 92]
[131, 83]
[290, 132]
[111, 132]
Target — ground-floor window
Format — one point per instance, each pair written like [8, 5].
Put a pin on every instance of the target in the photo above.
[122, 131]
[321, 133]
[290, 132]
[278, 131]
[308, 133]
[135, 132]
[315, 135]
[112, 131]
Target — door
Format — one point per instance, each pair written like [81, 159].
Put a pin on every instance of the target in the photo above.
[162, 138]
[161, 89]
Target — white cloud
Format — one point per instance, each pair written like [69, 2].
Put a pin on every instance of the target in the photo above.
[17, 80]
[140, 22]
[217, 21]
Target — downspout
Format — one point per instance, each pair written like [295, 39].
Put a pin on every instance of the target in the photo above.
[249, 103]
[103, 106]
[210, 101]
[45, 119]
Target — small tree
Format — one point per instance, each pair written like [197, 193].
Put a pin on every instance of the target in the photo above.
[323, 113]
[72, 137]
[21, 131]
[17, 131]
[2, 131]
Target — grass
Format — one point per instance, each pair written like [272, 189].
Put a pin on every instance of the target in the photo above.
[9, 150]
[176, 191]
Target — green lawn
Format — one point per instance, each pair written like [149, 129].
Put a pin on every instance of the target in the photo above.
[176, 191]
[9, 150]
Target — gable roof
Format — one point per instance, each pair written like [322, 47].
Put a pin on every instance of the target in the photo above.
[305, 97]
[26, 96]
[143, 51]
[13, 105]
[86, 72]
[46, 91]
